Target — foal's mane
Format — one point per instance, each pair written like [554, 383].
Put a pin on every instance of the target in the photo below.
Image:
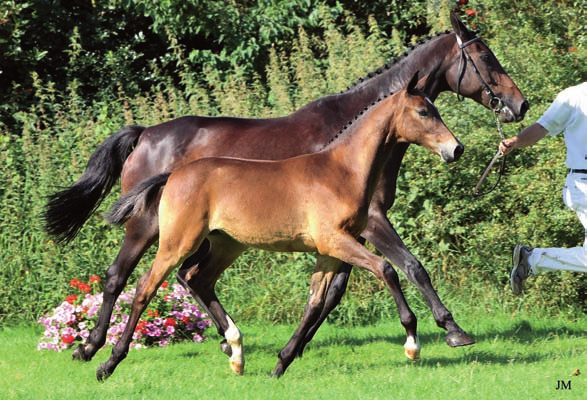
[352, 123]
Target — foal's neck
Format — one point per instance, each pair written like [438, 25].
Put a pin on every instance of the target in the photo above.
[364, 147]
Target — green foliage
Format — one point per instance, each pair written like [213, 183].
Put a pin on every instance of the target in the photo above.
[52, 126]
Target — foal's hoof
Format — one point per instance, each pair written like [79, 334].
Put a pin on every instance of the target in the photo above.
[225, 348]
[458, 339]
[102, 374]
[237, 367]
[80, 354]
[412, 348]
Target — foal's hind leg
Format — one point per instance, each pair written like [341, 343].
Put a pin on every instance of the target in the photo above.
[141, 233]
[199, 275]
[146, 290]
[381, 234]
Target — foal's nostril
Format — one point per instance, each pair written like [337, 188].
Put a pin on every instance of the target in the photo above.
[459, 150]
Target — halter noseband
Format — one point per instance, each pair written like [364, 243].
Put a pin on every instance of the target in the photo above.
[495, 102]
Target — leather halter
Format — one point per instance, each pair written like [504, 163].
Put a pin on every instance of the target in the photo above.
[495, 102]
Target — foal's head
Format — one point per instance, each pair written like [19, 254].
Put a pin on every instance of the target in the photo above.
[420, 123]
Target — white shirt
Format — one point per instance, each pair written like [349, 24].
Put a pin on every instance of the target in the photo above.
[568, 113]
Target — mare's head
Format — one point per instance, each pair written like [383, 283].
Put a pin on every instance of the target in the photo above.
[420, 123]
[476, 73]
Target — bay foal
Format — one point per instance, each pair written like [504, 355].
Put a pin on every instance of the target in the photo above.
[310, 203]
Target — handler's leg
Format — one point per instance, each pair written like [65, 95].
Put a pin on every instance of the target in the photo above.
[530, 262]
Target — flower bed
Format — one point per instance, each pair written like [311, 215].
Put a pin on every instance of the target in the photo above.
[171, 317]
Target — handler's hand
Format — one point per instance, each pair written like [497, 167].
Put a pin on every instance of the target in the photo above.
[507, 145]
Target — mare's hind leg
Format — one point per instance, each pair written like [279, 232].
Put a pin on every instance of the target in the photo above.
[141, 233]
[381, 234]
[324, 272]
[199, 274]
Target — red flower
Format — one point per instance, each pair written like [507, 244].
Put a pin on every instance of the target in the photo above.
[169, 322]
[94, 279]
[74, 282]
[463, 1]
[142, 327]
[185, 319]
[72, 298]
[471, 13]
[84, 287]
[165, 284]
[68, 339]
[153, 313]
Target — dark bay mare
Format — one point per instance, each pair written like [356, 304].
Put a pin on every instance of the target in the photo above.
[456, 61]
[315, 202]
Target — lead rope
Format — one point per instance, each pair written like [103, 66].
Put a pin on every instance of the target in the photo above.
[495, 157]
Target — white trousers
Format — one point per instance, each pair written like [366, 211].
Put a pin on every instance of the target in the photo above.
[572, 259]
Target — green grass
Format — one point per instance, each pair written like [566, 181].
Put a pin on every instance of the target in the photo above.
[516, 357]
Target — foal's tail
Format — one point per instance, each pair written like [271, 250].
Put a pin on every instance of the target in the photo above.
[137, 200]
[67, 210]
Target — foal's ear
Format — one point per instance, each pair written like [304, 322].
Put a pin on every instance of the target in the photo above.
[413, 82]
[459, 27]
[430, 81]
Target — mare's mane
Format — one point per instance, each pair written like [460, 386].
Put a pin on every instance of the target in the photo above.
[394, 66]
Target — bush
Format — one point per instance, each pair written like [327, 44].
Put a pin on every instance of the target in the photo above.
[464, 242]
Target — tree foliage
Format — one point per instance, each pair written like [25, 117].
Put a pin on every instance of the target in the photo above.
[74, 72]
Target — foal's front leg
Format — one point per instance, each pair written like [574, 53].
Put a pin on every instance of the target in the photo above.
[321, 280]
[349, 250]
[381, 234]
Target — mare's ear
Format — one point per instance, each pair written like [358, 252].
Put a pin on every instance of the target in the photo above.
[413, 82]
[459, 27]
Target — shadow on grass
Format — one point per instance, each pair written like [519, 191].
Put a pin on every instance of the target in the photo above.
[522, 333]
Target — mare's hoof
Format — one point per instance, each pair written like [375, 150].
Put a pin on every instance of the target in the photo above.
[102, 374]
[225, 348]
[459, 339]
[80, 354]
[277, 372]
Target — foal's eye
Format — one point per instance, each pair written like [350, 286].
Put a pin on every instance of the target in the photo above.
[423, 112]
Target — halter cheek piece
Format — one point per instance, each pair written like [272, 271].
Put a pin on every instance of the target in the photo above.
[495, 102]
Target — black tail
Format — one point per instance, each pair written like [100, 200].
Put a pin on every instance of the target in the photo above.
[137, 200]
[68, 209]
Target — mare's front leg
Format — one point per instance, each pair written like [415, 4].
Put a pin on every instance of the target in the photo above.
[321, 279]
[383, 236]
[141, 233]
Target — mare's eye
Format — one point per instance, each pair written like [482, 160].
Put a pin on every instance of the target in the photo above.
[485, 58]
[423, 112]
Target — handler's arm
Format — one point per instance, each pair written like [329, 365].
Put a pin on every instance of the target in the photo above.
[529, 136]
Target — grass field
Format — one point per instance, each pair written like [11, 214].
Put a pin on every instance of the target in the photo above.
[522, 357]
